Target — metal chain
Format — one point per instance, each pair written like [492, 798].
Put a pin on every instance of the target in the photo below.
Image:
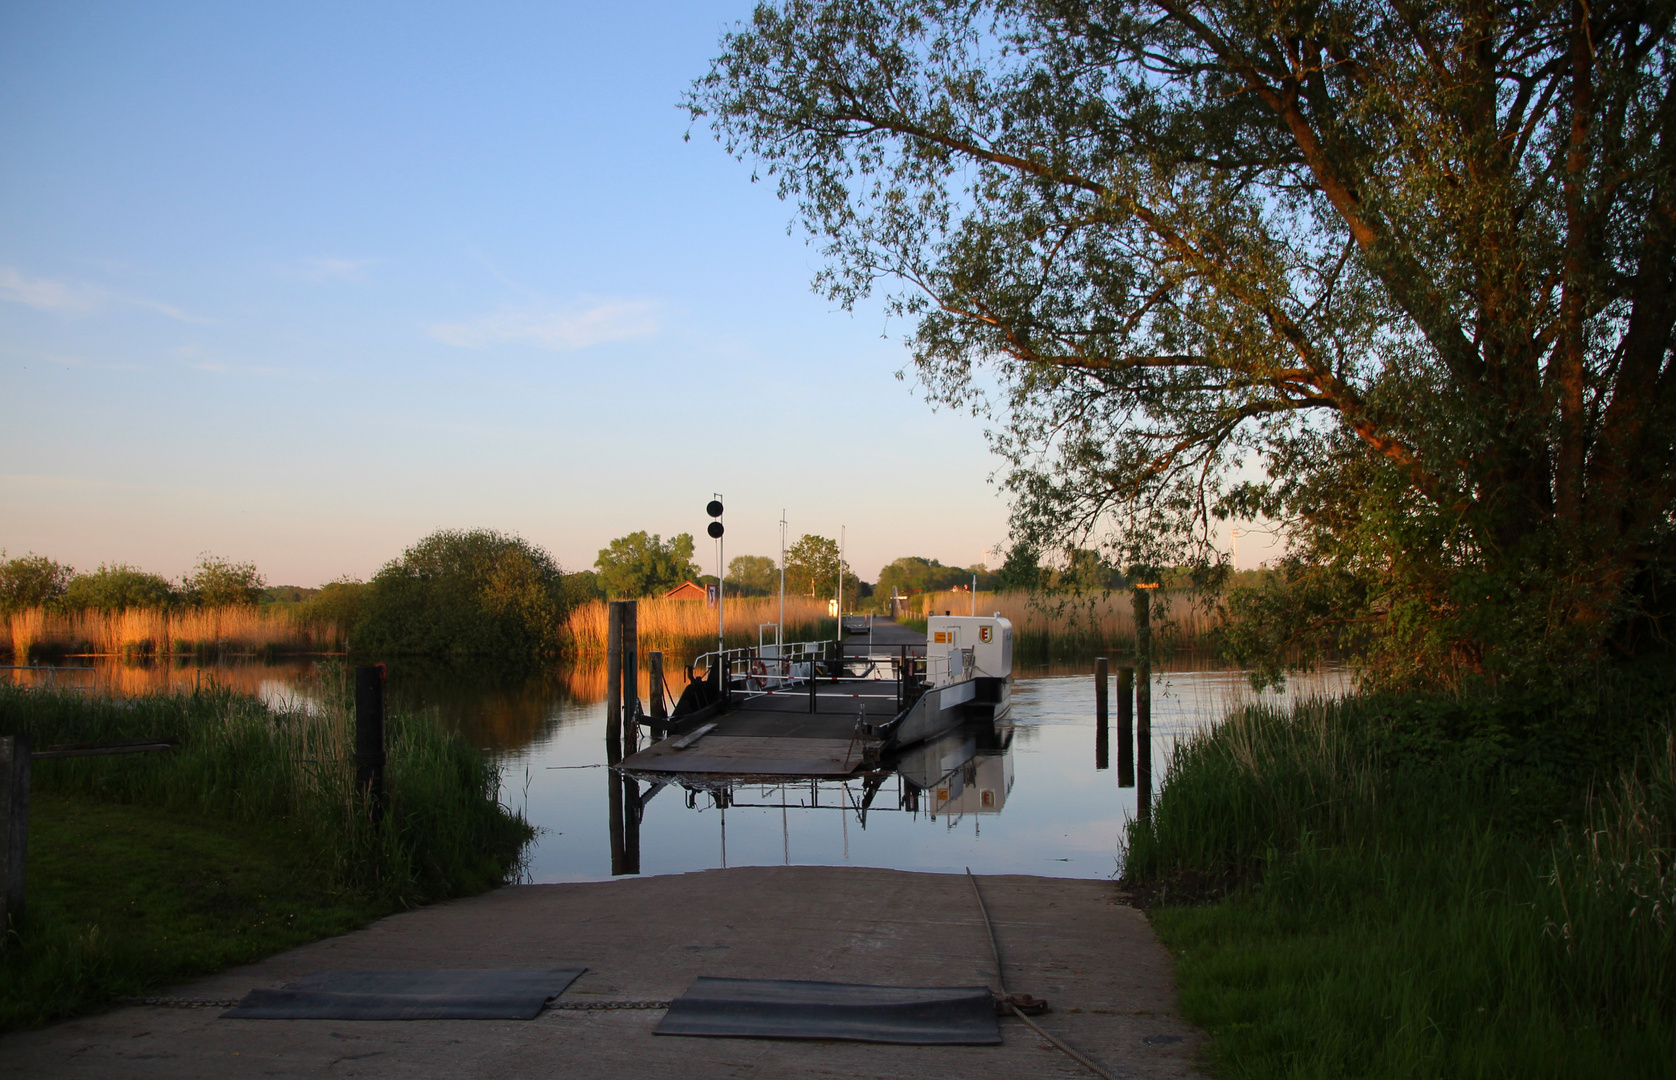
[579, 1005]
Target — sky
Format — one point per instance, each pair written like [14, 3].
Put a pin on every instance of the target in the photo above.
[299, 284]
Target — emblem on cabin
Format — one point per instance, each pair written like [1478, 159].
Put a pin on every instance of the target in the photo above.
[985, 633]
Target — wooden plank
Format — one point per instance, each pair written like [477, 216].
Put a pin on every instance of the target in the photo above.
[93, 749]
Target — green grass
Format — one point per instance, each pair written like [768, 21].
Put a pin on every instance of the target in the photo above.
[124, 899]
[255, 813]
[1425, 887]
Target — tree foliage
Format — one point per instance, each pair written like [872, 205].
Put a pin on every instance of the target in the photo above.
[1397, 276]
[32, 581]
[475, 593]
[118, 587]
[812, 568]
[753, 575]
[218, 582]
[644, 564]
[915, 573]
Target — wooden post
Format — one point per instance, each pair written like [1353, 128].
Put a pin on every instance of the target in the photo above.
[654, 665]
[1143, 703]
[614, 686]
[1125, 727]
[14, 829]
[631, 676]
[811, 683]
[1102, 737]
[369, 736]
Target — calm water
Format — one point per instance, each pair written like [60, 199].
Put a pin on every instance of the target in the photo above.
[1025, 798]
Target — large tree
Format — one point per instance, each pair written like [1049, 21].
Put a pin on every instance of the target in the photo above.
[1396, 275]
[645, 564]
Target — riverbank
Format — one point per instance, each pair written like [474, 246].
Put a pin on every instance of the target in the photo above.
[248, 836]
[647, 939]
[1425, 887]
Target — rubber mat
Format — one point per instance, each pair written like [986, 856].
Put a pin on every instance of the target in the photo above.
[444, 994]
[774, 1009]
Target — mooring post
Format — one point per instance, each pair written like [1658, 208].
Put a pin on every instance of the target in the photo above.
[14, 829]
[1143, 701]
[614, 681]
[631, 676]
[812, 674]
[654, 673]
[1125, 727]
[1102, 737]
[369, 736]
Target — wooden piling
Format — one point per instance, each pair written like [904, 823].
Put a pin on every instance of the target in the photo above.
[14, 828]
[614, 684]
[369, 736]
[654, 671]
[631, 676]
[1125, 727]
[1143, 701]
[1102, 737]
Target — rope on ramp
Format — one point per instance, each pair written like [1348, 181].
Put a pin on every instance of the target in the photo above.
[1024, 1000]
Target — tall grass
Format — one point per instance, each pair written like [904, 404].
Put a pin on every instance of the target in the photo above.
[149, 631]
[684, 628]
[445, 833]
[1049, 627]
[1399, 900]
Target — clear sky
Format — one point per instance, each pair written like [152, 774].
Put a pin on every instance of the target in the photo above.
[299, 283]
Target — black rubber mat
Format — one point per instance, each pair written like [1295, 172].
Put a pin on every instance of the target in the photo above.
[773, 1009]
[445, 994]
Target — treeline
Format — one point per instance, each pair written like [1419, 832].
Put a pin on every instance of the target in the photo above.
[36, 581]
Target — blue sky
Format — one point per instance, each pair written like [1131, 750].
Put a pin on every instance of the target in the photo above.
[301, 283]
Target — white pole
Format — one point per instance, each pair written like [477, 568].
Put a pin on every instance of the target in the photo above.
[840, 583]
[721, 590]
[974, 595]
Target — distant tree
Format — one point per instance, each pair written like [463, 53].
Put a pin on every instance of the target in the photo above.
[339, 602]
[581, 587]
[1023, 570]
[812, 568]
[32, 581]
[753, 575]
[288, 594]
[118, 586]
[915, 573]
[644, 564]
[475, 593]
[218, 582]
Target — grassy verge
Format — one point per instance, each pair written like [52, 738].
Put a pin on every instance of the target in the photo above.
[123, 899]
[1425, 887]
[248, 838]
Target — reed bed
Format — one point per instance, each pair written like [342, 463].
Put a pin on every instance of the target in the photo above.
[1047, 626]
[446, 832]
[1398, 901]
[682, 629]
[149, 631]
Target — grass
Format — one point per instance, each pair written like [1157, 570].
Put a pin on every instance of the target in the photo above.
[272, 792]
[684, 628]
[1424, 887]
[155, 632]
[124, 899]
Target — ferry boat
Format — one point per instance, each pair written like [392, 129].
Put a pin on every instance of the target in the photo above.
[833, 708]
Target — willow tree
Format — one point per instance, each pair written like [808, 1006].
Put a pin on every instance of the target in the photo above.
[1398, 276]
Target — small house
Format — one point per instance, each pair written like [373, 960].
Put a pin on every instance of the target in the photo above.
[687, 590]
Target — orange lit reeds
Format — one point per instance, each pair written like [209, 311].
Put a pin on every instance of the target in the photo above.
[145, 630]
[1043, 622]
[684, 628]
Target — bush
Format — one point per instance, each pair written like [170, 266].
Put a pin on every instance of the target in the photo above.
[464, 594]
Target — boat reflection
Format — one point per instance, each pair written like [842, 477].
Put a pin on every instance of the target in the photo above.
[965, 771]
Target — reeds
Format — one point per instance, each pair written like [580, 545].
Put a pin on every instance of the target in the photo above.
[684, 628]
[149, 631]
[1399, 902]
[1048, 625]
[446, 833]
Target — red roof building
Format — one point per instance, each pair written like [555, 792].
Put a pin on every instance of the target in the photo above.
[687, 590]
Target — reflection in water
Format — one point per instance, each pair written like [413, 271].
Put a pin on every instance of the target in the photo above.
[1027, 798]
